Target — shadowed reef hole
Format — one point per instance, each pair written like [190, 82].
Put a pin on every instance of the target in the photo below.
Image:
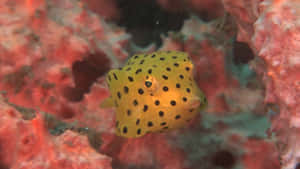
[146, 20]
[85, 73]
[223, 158]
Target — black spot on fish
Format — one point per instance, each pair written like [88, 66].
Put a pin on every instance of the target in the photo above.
[161, 113]
[115, 76]
[119, 95]
[168, 69]
[156, 102]
[184, 99]
[145, 108]
[142, 61]
[181, 76]
[176, 64]
[187, 69]
[141, 91]
[137, 122]
[161, 58]
[163, 123]
[128, 112]
[153, 56]
[130, 78]
[165, 77]
[126, 89]
[165, 88]
[138, 131]
[150, 71]
[125, 129]
[136, 56]
[150, 124]
[173, 102]
[129, 68]
[138, 71]
[188, 90]
[177, 117]
[135, 102]
[177, 85]
[174, 57]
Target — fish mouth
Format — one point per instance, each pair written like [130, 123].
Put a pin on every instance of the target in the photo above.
[198, 102]
[195, 102]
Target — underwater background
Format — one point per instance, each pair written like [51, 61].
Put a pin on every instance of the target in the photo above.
[55, 56]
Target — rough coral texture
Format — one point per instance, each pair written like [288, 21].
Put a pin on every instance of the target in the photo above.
[110, 13]
[50, 51]
[271, 27]
[53, 58]
[26, 144]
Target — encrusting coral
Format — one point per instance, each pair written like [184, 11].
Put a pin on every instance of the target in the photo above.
[54, 56]
[271, 28]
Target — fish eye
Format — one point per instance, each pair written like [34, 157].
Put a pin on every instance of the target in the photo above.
[148, 83]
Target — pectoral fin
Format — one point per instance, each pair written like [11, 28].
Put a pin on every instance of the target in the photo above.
[107, 103]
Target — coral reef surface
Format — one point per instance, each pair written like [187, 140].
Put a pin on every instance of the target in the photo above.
[54, 55]
[271, 28]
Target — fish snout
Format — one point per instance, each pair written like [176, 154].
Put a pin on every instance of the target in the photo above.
[198, 102]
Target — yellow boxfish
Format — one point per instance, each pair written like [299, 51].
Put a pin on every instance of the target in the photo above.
[154, 92]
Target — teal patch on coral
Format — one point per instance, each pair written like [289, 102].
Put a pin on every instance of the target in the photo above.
[209, 140]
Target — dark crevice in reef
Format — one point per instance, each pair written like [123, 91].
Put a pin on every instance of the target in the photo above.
[66, 112]
[3, 166]
[242, 53]
[2, 163]
[146, 20]
[85, 73]
[224, 159]
[297, 166]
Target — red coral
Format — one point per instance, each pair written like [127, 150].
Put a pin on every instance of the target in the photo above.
[152, 149]
[26, 144]
[107, 9]
[55, 56]
[260, 155]
[271, 28]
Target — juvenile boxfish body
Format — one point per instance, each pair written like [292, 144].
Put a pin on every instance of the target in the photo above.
[154, 92]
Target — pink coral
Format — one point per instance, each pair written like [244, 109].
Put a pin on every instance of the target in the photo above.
[26, 144]
[107, 9]
[51, 52]
[260, 155]
[271, 27]
[54, 55]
